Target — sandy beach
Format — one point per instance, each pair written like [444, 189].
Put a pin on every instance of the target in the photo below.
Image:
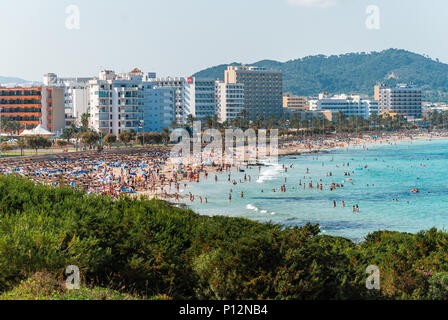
[151, 173]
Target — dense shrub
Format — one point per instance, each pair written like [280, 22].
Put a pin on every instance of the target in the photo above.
[150, 248]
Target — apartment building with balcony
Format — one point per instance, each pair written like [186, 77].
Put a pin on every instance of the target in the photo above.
[76, 95]
[31, 106]
[131, 101]
[115, 102]
[158, 107]
[405, 100]
[203, 102]
[229, 100]
[184, 95]
[294, 103]
[23, 105]
[263, 90]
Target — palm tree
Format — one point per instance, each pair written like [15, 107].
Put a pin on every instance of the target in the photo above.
[7, 125]
[85, 121]
[21, 143]
[209, 122]
[15, 127]
[165, 135]
[173, 124]
[215, 120]
[190, 120]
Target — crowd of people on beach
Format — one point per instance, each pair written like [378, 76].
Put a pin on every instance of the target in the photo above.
[149, 171]
[103, 173]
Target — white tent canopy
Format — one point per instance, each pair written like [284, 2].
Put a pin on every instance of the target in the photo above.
[38, 131]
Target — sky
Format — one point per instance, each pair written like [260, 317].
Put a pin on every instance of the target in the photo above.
[181, 37]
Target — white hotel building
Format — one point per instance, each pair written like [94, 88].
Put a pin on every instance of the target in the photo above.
[184, 95]
[130, 101]
[403, 99]
[350, 105]
[229, 100]
[115, 102]
[76, 95]
[203, 102]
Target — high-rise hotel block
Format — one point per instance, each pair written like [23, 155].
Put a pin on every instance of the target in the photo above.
[184, 95]
[229, 100]
[403, 99]
[115, 102]
[203, 98]
[130, 101]
[158, 107]
[263, 90]
[31, 106]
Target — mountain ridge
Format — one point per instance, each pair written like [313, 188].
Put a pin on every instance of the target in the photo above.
[354, 72]
[7, 80]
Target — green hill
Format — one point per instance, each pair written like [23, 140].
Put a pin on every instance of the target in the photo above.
[355, 73]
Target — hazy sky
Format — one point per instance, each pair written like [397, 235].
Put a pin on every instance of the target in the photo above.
[180, 37]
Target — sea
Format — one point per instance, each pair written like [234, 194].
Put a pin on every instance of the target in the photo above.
[383, 180]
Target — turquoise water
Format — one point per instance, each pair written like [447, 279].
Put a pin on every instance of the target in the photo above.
[392, 171]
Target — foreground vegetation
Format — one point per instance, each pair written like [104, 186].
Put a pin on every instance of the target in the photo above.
[132, 248]
[43, 286]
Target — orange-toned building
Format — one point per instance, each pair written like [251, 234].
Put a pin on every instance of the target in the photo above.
[32, 106]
